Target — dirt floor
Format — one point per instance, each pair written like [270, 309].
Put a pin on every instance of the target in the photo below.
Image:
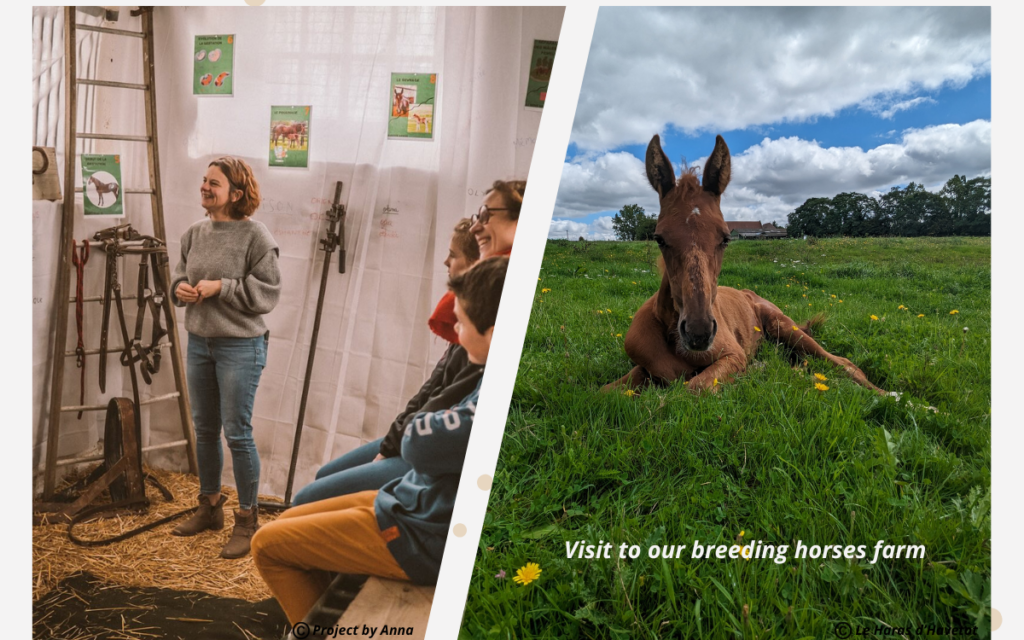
[153, 585]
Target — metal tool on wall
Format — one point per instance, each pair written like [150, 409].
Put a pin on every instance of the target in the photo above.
[334, 240]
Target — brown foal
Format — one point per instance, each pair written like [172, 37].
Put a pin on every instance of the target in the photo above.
[692, 328]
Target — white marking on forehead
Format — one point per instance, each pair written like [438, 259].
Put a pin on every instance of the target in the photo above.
[695, 212]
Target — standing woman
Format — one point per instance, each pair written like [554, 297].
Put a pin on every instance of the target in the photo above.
[494, 225]
[227, 280]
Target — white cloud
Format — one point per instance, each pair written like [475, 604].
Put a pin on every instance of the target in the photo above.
[774, 177]
[722, 68]
[600, 229]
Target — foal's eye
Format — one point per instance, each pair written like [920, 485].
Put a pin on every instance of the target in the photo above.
[725, 241]
[659, 240]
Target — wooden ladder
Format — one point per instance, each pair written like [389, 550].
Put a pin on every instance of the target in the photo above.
[67, 242]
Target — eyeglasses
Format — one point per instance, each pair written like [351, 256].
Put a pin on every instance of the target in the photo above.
[483, 216]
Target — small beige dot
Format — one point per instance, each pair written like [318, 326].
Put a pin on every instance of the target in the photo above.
[484, 482]
[997, 619]
[459, 530]
[254, 3]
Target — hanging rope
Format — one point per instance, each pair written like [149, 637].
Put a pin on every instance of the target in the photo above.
[79, 260]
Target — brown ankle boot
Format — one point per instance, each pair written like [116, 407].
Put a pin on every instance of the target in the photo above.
[208, 517]
[245, 527]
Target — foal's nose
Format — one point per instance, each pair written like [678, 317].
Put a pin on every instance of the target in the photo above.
[698, 335]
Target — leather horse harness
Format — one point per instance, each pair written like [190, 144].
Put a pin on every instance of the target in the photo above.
[121, 472]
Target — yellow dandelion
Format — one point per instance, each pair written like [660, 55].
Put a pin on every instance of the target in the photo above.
[529, 573]
[545, 290]
[901, 307]
[874, 317]
[618, 335]
[805, 295]
[609, 310]
[796, 328]
[810, 304]
[630, 317]
[840, 301]
[820, 387]
[599, 311]
[833, 295]
[953, 312]
[787, 285]
[629, 393]
[757, 328]
[742, 533]
[820, 377]
[715, 383]
[920, 315]
[634, 282]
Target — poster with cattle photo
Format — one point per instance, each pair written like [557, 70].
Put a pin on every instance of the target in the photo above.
[412, 106]
[289, 136]
[101, 183]
[214, 58]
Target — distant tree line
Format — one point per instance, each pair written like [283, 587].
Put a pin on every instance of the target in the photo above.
[961, 208]
[632, 223]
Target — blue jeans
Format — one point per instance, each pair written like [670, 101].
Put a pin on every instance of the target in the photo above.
[223, 374]
[351, 473]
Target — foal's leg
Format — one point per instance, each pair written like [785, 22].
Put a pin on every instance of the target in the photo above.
[648, 348]
[781, 327]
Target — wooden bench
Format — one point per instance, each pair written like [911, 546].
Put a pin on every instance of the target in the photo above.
[402, 607]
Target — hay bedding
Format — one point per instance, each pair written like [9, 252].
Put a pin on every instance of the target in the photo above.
[153, 558]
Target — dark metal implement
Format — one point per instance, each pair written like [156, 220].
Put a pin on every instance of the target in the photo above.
[334, 240]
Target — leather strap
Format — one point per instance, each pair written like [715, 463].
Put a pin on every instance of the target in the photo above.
[79, 259]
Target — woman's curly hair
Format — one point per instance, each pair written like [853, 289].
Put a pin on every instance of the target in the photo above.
[512, 191]
[240, 178]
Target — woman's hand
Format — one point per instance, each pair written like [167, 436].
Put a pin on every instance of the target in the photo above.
[380, 456]
[186, 293]
[207, 289]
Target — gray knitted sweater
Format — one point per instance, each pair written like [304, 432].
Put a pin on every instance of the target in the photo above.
[243, 256]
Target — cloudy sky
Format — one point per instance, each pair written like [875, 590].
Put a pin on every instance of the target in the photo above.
[811, 101]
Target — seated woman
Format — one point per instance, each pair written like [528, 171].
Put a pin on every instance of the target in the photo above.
[374, 464]
[398, 532]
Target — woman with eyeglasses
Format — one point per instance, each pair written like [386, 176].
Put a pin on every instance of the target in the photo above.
[494, 225]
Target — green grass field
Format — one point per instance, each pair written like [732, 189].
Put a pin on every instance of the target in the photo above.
[768, 458]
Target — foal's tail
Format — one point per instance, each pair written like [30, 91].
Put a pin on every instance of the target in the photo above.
[812, 325]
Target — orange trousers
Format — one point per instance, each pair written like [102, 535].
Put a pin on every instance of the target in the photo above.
[297, 553]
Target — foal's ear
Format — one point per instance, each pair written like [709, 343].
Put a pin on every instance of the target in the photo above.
[718, 168]
[659, 170]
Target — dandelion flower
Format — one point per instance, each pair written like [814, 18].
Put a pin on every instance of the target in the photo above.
[634, 282]
[757, 328]
[629, 393]
[796, 328]
[500, 575]
[742, 533]
[833, 295]
[805, 295]
[953, 312]
[618, 335]
[609, 310]
[630, 317]
[840, 301]
[820, 387]
[820, 377]
[599, 311]
[715, 383]
[527, 574]
[874, 317]
[901, 307]
[787, 285]
[920, 315]
[545, 290]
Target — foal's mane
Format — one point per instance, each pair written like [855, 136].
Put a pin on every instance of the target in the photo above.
[687, 185]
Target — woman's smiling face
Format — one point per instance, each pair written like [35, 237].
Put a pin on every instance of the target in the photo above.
[216, 192]
[495, 236]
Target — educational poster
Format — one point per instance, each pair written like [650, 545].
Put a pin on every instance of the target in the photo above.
[541, 61]
[101, 182]
[213, 65]
[289, 136]
[412, 105]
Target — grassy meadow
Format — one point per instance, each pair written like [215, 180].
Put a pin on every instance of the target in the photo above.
[768, 458]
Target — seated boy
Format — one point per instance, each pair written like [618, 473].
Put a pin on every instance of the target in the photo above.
[398, 532]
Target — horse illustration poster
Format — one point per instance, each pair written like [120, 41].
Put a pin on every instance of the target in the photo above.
[289, 136]
[541, 61]
[412, 105]
[214, 58]
[101, 181]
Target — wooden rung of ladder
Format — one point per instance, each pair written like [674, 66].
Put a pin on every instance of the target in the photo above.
[63, 462]
[101, 407]
[114, 136]
[111, 32]
[114, 351]
[67, 242]
[109, 83]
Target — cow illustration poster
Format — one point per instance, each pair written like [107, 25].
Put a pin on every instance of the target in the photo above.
[541, 61]
[412, 106]
[101, 184]
[213, 64]
[289, 136]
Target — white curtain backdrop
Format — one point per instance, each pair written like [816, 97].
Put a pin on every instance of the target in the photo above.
[374, 349]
